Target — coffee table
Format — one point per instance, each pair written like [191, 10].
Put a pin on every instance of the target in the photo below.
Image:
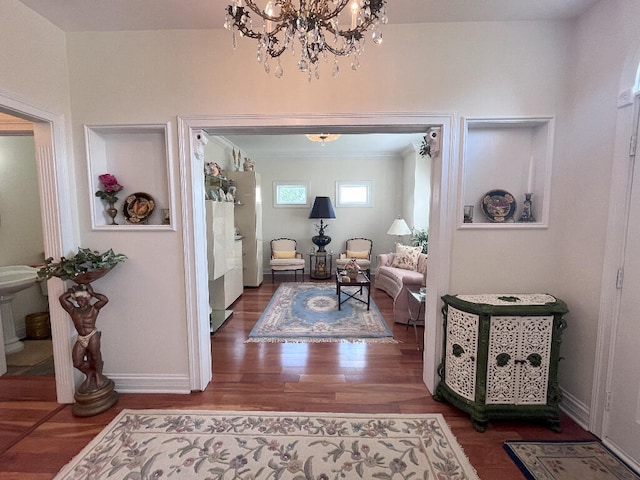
[361, 281]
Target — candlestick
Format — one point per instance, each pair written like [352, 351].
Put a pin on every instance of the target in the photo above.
[530, 178]
[527, 209]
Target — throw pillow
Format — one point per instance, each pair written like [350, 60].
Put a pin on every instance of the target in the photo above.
[363, 255]
[406, 257]
[284, 254]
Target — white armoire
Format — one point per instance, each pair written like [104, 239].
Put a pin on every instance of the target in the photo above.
[248, 218]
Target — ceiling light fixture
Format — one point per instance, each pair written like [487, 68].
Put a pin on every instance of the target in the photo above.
[320, 26]
[323, 137]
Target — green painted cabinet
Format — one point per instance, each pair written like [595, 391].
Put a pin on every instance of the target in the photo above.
[500, 356]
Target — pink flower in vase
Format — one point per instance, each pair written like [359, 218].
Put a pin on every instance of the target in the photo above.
[111, 188]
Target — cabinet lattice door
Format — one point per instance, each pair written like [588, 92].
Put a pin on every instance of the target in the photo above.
[518, 360]
[462, 352]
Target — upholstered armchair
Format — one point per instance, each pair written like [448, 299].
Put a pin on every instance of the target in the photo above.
[285, 257]
[358, 249]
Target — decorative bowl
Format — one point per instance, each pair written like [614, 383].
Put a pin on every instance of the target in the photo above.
[91, 276]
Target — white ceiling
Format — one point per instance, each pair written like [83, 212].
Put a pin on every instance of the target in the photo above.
[105, 15]
[300, 147]
[116, 15]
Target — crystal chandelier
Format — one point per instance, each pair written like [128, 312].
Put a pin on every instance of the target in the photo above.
[317, 25]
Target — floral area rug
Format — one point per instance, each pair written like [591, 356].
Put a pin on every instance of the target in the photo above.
[566, 460]
[156, 444]
[308, 312]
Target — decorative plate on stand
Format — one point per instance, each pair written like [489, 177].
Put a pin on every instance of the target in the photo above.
[499, 206]
[138, 207]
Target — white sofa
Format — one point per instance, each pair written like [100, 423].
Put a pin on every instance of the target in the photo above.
[395, 282]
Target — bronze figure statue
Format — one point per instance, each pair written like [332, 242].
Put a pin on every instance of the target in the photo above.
[86, 353]
[96, 394]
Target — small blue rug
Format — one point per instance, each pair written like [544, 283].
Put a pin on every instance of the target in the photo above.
[308, 313]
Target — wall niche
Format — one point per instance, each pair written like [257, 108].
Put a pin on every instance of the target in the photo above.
[139, 157]
[503, 160]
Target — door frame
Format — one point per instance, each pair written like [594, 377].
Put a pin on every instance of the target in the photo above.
[59, 224]
[628, 104]
[442, 217]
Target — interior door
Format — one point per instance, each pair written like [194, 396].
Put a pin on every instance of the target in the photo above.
[622, 420]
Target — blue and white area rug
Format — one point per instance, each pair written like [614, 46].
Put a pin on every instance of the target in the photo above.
[308, 313]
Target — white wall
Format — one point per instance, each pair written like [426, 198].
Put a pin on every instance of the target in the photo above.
[422, 193]
[409, 192]
[150, 77]
[20, 222]
[416, 190]
[33, 58]
[567, 70]
[385, 173]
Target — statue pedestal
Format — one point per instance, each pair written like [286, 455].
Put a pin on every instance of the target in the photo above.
[89, 404]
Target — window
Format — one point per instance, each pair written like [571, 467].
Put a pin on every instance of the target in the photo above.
[354, 194]
[290, 194]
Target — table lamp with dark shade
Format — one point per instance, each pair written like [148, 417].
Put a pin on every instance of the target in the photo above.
[322, 208]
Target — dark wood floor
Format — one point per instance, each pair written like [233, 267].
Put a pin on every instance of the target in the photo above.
[38, 436]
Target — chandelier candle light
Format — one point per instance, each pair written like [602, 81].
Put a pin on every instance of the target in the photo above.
[320, 26]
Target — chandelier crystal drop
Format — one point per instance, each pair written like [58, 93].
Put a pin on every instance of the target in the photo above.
[320, 28]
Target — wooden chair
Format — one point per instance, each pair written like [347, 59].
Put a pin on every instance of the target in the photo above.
[285, 257]
[360, 249]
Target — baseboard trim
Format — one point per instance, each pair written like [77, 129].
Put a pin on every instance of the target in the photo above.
[129, 383]
[576, 410]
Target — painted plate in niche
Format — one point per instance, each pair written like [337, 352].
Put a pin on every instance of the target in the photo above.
[138, 207]
[498, 205]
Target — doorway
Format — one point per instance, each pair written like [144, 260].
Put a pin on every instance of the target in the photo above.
[27, 340]
[616, 396]
[55, 185]
[622, 407]
[443, 197]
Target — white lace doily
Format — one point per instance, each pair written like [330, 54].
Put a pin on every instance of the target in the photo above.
[509, 298]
